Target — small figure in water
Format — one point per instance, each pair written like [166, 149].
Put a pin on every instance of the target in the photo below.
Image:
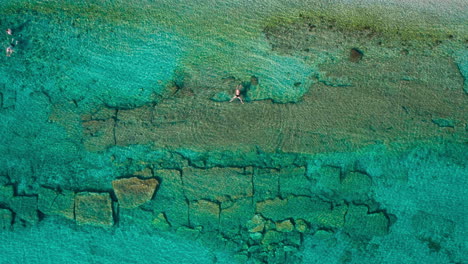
[237, 94]
[13, 42]
[9, 50]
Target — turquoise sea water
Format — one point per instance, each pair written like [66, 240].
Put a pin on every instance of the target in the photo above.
[97, 91]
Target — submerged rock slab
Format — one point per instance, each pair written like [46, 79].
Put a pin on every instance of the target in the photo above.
[333, 218]
[266, 184]
[256, 224]
[293, 181]
[216, 184]
[272, 237]
[328, 179]
[204, 213]
[360, 224]
[25, 208]
[443, 122]
[134, 192]
[51, 202]
[6, 218]
[160, 222]
[302, 207]
[285, 226]
[356, 186]
[93, 209]
[6, 194]
[462, 63]
[170, 199]
[135, 217]
[233, 217]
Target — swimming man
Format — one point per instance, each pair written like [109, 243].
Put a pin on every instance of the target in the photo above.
[237, 94]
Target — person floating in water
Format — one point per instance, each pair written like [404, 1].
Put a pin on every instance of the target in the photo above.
[237, 94]
[10, 49]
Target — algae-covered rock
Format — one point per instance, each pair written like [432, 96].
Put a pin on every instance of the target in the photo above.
[443, 122]
[301, 225]
[93, 209]
[272, 237]
[51, 202]
[189, 233]
[6, 194]
[144, 173]
[212, 239]
[256, 236]
[356, 186]
[98, 134]
[361, 225]
[293, 238]
[25, 208]
[328, 179]
[240, 258]
[266, 184]
[293, 181]
[170, 198]
[234, 216]
[292, 207]
[6, 218]
[160, 222]
[134, 192]
[322, 235]
[333, 218]
[217, 184]
[204, 213]
[135, 217]
[221, 97]
[284, 226]
[256, 224]
[290, 249]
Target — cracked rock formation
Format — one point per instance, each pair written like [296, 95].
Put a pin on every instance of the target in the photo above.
[51, 202]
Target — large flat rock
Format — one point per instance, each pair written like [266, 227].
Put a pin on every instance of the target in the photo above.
[93, 209]
[133, 192]
[25, 208]
[204, 213]
[356, 186]
[170, 199]
[236, 215]
[359, 224]
[310, 209]
[266, 184]
[51, 202]
[327, 178]
[217, 184]
[293, 181]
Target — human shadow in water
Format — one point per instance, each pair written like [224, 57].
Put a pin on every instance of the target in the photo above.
[247, 86]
